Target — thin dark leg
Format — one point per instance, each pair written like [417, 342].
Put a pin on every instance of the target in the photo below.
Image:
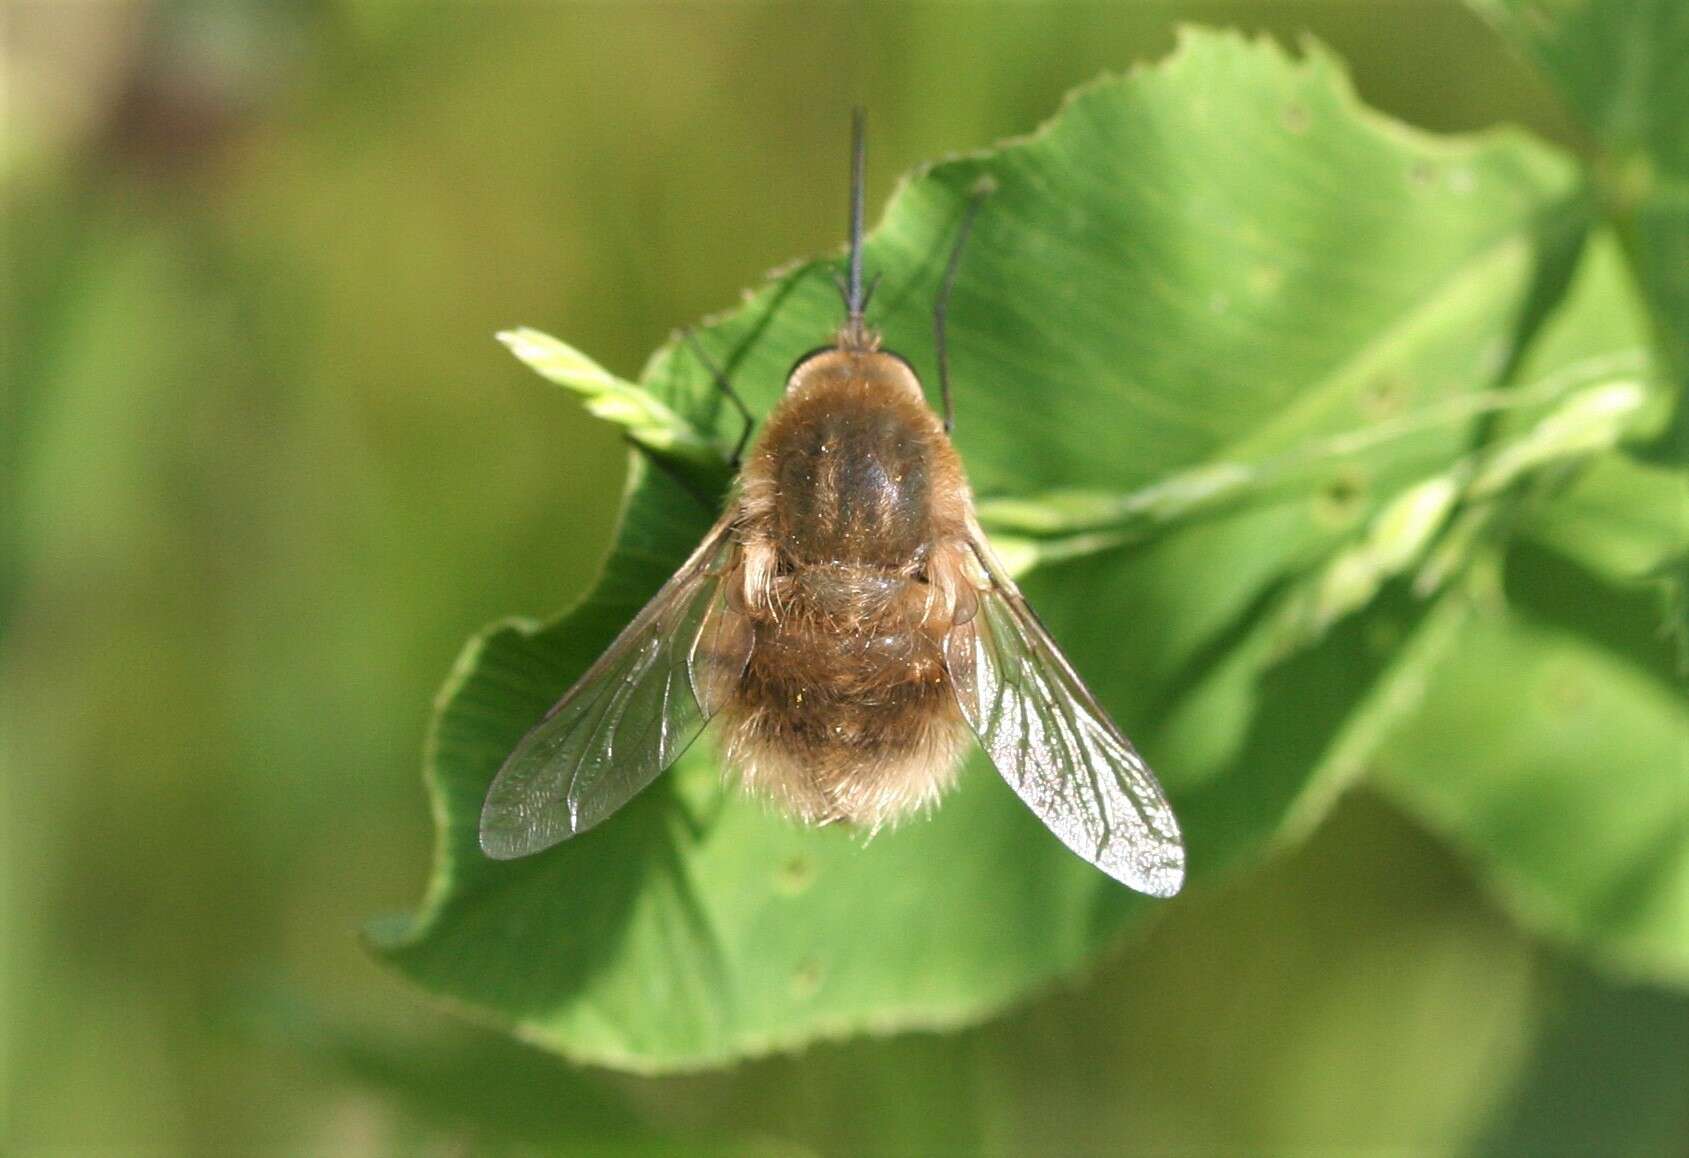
[868, 292]
[941, 304]
[726, 388]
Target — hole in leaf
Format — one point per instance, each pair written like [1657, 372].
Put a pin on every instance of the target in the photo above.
[806, 978]
[795, 874]
[1340, 501]
[1384, 396]
[1566, 693]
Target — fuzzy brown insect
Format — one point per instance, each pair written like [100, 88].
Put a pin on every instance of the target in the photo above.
[848, 622]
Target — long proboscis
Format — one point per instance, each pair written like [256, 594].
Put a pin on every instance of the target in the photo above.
[854, 300]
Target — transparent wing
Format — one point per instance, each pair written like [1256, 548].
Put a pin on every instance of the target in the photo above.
[1055, 745]
[630, 716]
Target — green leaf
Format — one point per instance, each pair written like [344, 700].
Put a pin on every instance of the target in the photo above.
[1625, 520]
[1221, 259]
[1571, 806]
[1559, 768]
[1619, 65]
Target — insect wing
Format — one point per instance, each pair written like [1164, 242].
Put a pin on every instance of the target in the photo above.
[1055, 745]
[629, 717]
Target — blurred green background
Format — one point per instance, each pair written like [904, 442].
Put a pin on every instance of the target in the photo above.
[264, 469]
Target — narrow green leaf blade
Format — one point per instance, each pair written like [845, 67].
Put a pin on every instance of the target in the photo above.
[647, 421]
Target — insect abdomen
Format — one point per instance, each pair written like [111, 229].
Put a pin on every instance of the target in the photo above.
[856, 723]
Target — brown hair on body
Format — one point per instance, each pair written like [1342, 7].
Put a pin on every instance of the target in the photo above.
[853, 529]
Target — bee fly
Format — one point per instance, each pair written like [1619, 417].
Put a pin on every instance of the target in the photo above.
[848, 622]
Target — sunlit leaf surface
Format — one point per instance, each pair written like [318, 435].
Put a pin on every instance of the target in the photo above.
[1221, 259]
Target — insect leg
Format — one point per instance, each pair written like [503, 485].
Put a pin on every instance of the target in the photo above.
[726, 387]
[941, 303]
